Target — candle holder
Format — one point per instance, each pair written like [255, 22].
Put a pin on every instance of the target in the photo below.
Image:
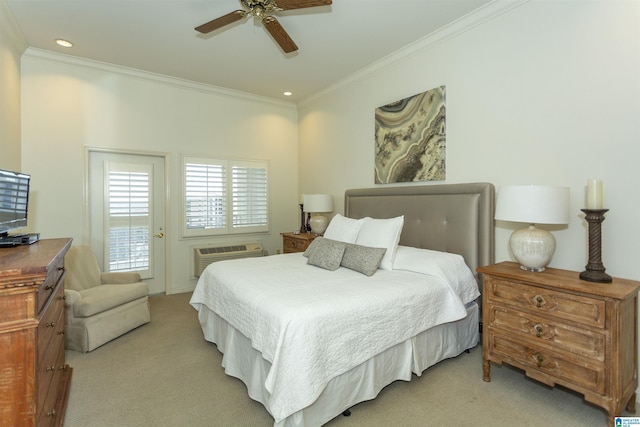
[595, 269]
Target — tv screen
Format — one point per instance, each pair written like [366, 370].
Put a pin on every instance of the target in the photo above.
[14, 200]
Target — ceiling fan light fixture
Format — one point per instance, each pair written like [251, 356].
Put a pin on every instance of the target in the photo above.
[287, 93]
[261, 11]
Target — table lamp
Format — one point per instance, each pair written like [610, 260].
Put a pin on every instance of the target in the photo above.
[315, 205]
[533, 204]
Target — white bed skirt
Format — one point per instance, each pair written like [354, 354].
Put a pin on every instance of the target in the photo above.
[361, 383]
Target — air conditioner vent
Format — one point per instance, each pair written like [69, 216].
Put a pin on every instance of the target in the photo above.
[205, 256]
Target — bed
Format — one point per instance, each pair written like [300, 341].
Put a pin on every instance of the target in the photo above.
[284, 326]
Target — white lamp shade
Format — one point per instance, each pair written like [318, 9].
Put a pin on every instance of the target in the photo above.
[534, 204]
[317, 203]
[533, 247]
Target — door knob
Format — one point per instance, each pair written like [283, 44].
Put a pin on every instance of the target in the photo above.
[159, 235]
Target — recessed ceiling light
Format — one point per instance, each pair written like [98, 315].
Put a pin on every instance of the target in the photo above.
[287, 93]
[64, 43]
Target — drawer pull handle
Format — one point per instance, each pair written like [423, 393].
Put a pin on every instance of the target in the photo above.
[50, 324]
[61, 332]
[48, 288]
[539, 301]
[539, 330]
[51, 368]
[51, 413]
[540, 360]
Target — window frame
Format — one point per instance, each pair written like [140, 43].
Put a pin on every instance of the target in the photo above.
[229, 228]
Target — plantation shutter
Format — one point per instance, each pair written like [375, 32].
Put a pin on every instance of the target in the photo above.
[249, 189]
[225, 197]
[206, 196]
[129, 217]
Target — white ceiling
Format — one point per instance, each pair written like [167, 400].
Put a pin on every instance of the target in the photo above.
[158, 36]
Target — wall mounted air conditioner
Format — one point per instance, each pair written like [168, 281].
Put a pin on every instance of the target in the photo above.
[205, 256]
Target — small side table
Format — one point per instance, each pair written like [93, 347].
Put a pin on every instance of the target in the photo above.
[296, 242]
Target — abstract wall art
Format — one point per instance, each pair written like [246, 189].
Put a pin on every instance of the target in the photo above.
[411, 139]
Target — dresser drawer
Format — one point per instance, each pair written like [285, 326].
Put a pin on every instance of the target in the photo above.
[51, 326]
[581, 341]
[49, 390]
[566, 306]
[531, 358]
[54, 274]
[46, 371]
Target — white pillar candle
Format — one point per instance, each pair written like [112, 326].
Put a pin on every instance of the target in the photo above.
[594, 194]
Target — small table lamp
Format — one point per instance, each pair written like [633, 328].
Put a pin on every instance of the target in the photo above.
[533, 247]
[317, 204]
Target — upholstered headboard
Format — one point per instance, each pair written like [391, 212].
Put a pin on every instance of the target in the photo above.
[455, 218]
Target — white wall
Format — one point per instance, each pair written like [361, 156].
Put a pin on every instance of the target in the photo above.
[70, 104]
[12, 44]
[547, 92]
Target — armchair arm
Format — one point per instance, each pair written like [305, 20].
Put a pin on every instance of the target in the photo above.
[71, 296]
[119, 278]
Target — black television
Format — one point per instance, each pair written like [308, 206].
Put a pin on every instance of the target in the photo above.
[14, 201]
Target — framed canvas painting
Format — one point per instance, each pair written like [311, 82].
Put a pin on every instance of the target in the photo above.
[411, 139]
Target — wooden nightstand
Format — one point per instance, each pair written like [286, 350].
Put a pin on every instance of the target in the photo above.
[296, 242]
[563, 330]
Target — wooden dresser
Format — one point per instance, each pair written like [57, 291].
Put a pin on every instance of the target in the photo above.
[296, 242]
[34, 378]
[563, 330]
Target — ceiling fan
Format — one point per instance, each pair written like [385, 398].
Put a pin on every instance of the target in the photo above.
[262, 10]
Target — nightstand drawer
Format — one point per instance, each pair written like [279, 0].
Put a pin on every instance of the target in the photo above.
[532, 359]
[296, 242]
[545, 332]
[294, 245]
[576, 308]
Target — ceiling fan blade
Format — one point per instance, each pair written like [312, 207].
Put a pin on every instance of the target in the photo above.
[279, 34]
[227, 19]
[301, 4]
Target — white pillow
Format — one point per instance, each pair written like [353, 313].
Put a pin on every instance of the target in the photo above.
[343, 229]
[382, 233]
[451, 268]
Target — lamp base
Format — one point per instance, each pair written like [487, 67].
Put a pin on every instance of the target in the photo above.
[318, 223]
[533, 248]
[532, 269]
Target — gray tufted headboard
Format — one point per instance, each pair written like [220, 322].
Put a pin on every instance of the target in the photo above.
[455, 218]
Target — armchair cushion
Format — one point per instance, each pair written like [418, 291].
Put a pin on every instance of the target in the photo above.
[101, 298]
[119, 277]
[70, 297]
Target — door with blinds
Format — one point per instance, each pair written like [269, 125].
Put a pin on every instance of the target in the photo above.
[126, 209]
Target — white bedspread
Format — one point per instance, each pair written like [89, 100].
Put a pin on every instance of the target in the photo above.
[313, 324]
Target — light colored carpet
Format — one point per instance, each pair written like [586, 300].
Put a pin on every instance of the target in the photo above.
[165, 374]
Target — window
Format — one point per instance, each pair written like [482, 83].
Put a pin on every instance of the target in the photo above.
[128, 217]
[225, 197]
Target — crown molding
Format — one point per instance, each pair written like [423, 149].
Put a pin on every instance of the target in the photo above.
[10, 28]
[456, 28]
[74, 61]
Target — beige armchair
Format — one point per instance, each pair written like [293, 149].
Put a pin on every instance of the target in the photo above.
[100, 307]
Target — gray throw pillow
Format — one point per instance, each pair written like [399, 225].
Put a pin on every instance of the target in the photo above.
[362, 259]
[326, 254]
[314, 243]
